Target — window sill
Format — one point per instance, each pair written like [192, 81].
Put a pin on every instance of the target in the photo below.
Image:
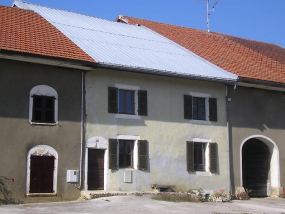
[43, 124]
[200, 173]
[41, 194]
[203, 122]
[128, 116]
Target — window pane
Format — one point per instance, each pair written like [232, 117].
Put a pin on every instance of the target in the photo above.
[49, 102]
[49, 116]
[199, 156]
[128, 161]
[37, 115]
[37, 102]
[129, 102]
[121, 101]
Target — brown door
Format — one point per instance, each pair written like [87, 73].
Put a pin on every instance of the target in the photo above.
[95, 169]
[41, 175]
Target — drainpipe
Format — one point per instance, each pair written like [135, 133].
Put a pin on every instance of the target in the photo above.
[228, 128]
[79, 186]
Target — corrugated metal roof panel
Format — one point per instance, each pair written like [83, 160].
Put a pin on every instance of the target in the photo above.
[120, 44]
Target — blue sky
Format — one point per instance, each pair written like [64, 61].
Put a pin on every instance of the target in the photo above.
[262, 20]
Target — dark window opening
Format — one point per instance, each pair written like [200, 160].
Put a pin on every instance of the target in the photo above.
[41, 174]
[199, 156]
[126, 153]
[126, 102]
[43, 109]
[199, 108]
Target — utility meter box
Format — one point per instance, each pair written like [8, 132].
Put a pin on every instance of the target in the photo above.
[72, 176]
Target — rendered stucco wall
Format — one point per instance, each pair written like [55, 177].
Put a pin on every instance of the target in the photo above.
[165, 129]
[18, 135]
[259, 114]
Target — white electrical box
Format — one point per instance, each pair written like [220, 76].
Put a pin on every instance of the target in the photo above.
[72, 176]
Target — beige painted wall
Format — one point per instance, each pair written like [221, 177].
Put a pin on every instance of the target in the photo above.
[165, 129]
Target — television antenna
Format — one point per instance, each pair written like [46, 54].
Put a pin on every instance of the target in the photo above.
[208, 12]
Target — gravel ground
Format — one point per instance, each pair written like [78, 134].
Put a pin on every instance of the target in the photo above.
[144, 204]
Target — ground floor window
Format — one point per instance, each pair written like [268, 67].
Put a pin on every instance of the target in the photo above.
[126, 153]
[199, 156]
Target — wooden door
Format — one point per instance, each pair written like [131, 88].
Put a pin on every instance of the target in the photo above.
[41, 175]
[256, 166]
[95, 169]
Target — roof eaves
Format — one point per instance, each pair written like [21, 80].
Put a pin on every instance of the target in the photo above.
[165, 73]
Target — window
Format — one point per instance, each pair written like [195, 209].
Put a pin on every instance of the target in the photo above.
[42, 167]
[201, 156]
[200, 107]
[128, 153]
[43, 105]
[43, 109]
[127, 101]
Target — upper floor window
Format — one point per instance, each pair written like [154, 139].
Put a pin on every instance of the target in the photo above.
[200, 107]
[43, 105]
[127, 101]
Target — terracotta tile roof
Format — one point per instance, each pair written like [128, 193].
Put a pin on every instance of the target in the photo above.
[27, 32]
[243, 57]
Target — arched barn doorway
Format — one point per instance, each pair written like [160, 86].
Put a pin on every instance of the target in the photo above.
[256, 158]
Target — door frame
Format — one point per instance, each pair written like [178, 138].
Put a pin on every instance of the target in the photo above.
[274, 163]
[96, 143]
[104, 166]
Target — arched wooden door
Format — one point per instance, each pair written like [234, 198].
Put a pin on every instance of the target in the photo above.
[256, 167]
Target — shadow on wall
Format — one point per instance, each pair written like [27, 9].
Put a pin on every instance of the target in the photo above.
[6, 196]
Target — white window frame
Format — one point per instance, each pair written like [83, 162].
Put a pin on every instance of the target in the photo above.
[207, 171]
[42, 150]
[135, 89]
[43, 90]
[207, 108]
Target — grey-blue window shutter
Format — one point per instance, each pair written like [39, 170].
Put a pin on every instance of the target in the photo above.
[142, 106]
[112, 100]
[187, 107]
[213, 157]
[143, 155]
[213, 109]
[190, 156]
[113, 154]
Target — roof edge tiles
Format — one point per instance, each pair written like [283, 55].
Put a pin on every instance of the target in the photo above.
[26, 32]
[143, 49]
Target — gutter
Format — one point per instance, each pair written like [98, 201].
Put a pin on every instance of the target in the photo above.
[165, 73]
[47, 60]
[248, 82]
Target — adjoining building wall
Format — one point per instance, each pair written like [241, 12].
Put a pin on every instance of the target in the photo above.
[18, 135]
[257, 114]
[164, 128]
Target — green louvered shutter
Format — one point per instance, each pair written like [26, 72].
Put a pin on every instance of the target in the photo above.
[190, 156]
[213, 109]
[142, 107]
[113, 154]
[143, 155]
[112, 100]
[213, 157]
[187, 107]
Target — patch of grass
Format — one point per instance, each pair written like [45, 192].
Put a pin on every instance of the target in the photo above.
[175, 198]
[138, 194]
